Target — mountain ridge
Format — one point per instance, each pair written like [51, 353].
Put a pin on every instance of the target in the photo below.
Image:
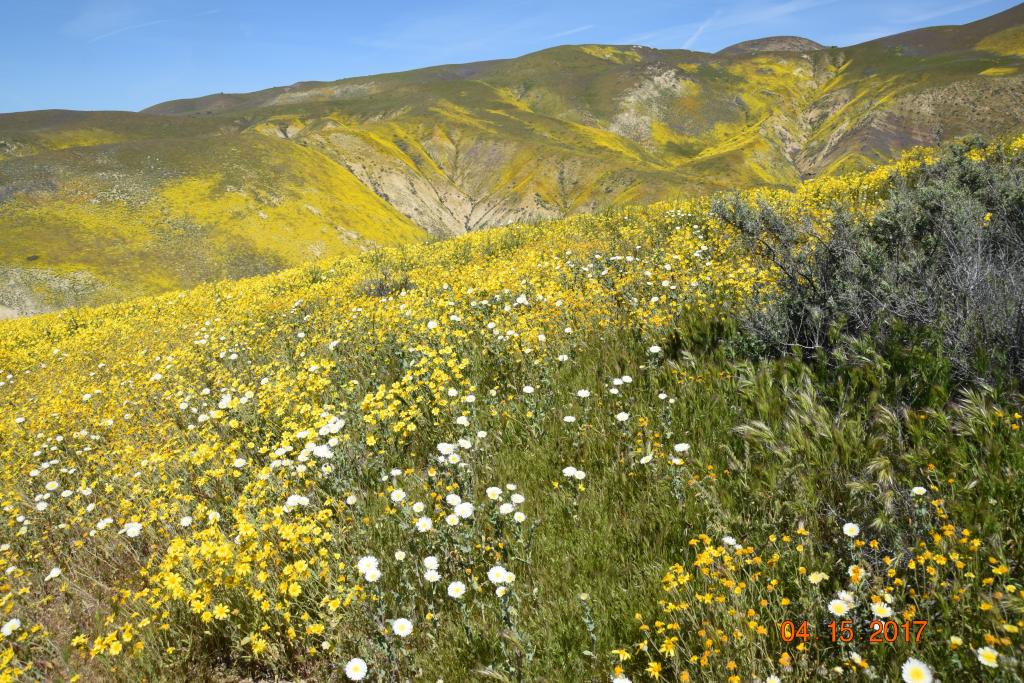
[102, 206]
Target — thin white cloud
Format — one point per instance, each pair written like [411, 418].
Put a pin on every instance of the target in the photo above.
[101, 16]
[570, 32]
[688, 43]
[745, 14]
[146, 24]
[126, 29]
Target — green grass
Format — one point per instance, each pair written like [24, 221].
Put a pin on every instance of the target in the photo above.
[783, 451]
[831, 461]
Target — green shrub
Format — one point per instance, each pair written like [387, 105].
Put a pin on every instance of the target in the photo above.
[941, 263]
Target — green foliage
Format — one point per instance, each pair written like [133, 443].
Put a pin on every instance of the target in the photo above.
[224, 398]
[941, 266]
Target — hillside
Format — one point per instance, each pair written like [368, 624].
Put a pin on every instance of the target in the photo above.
[102, 206]
[546, 452]
[106, 206]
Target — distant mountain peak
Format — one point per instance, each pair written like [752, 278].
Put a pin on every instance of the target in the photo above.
[772, 44]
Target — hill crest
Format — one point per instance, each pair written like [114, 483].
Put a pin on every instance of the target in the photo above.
[103, 206]
[772, 44]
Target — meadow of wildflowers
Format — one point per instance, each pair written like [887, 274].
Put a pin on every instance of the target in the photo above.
[526, 454]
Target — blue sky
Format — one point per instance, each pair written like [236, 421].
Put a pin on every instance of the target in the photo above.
[119, 54]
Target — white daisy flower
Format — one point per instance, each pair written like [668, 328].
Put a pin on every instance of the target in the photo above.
[402, 627]
[988, 657]
[294, 501]
[355, 669]
[881, 610]
[839, 607]
[497, 574]
[131, 529]
[916, 671]
[366, 563]
[10, 627]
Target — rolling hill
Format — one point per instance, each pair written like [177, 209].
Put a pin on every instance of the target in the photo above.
[102, 206]
[549, 453]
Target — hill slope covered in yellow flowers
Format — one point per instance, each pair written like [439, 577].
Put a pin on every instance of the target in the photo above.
[536, 453]
[97, 207]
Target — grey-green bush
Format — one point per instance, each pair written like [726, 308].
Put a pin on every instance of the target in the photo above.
[941, 263]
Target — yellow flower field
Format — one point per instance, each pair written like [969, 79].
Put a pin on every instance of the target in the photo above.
[498, 457]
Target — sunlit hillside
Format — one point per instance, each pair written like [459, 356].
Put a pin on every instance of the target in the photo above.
[102, 206]
[146, 205]
[551, 452]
